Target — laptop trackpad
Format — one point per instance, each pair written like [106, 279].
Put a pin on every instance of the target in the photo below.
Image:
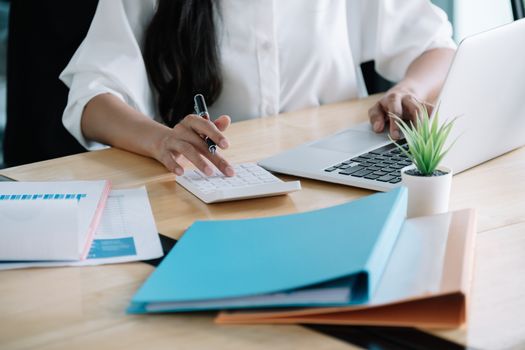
[352, 141]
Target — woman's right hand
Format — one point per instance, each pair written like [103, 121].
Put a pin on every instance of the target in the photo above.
[186, 139]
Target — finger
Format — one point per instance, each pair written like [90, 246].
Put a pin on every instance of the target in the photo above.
[204, 127]
[177, 168]
[377, 118]
[411, 108]
[194, 156]
[218, 160]
[392, 104]
[221, 163]
[430, 107]
[170, 162]
[223, 122]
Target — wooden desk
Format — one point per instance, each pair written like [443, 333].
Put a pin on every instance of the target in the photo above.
[83, 308]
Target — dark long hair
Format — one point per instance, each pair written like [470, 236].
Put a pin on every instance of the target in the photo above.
[182, 56]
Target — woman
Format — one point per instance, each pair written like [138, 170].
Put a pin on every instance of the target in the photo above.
[143, 60]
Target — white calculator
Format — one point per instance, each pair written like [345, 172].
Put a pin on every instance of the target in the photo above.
[250, 181]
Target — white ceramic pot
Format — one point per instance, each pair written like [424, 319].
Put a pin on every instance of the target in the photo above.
[427, 195]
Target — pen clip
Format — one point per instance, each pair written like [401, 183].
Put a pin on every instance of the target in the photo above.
[200, 106]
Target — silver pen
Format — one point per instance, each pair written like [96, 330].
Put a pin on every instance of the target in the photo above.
[202, 111]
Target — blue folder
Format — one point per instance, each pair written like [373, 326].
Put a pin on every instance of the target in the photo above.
[297, 260]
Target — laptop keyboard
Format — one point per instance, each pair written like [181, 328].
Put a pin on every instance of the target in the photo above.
[383, 164]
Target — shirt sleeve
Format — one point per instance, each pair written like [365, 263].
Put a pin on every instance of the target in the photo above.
[396, 32]
[109, 60]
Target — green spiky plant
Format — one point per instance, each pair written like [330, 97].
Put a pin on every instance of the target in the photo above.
[426, 141]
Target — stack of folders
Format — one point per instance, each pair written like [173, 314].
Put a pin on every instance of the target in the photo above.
[50, 221]
[357, 263]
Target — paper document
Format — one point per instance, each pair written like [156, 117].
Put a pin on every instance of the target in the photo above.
[30, 198]
[39, 230]
[126, 232]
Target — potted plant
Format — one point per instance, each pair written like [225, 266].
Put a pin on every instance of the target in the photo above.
[427, 182]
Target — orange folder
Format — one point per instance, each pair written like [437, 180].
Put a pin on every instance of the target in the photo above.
[425, 284]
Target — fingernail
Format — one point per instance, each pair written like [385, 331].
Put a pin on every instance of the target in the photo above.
[179, 171]
[396, 135]
[229, 171]
[377, 127]
[208, 171]
[223, 143]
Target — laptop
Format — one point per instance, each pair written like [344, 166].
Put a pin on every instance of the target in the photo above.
[485, 86]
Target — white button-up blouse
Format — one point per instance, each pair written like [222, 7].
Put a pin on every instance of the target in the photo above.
[276, 55]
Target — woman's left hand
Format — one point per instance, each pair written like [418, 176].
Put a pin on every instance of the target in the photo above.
[400, 101]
